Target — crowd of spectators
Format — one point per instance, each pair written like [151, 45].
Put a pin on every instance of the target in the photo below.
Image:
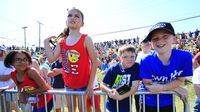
[186, 41]
[107, 50]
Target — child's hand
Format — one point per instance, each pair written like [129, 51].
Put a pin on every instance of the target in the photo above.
[50, 74]
[182, 92]
[113, 94]
[57, 70]
[89, 90]
[2, 89]
[52, 38]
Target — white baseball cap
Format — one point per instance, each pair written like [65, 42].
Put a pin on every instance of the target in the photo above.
[3, 48]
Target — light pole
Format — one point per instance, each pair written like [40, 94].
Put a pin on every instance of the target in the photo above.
[24, 35]
[39, 34]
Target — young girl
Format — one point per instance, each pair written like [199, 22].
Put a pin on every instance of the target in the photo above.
[164, 69]
[78, 57]
[27, 79]
[123, 73]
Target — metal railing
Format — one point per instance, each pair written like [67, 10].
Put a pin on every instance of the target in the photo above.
[63, 92]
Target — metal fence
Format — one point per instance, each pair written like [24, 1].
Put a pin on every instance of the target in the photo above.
[63, 92]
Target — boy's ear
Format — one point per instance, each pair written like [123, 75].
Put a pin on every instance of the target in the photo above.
[175, 39]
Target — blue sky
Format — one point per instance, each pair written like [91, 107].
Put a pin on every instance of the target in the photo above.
[101, 16]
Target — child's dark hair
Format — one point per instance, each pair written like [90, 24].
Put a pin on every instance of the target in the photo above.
[66, 32]
[10, 57]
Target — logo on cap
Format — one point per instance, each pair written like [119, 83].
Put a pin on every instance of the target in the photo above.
[161, 25]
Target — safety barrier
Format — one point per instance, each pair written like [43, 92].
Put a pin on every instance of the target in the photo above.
[63, 92]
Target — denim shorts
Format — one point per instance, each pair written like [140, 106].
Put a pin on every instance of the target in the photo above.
[78, 89]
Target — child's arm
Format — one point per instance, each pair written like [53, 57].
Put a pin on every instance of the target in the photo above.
[52, 54]
[11, 85]
[134, 88]
[42, 85]
[112, 93]
[91, 52]
[105, 88]
[156, 88]
[182, 92]
[197, 90]
[5, 77]
[7, 87]
[54, 72]
[174, 84]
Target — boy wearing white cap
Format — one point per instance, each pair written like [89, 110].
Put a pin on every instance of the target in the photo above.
[165, 68]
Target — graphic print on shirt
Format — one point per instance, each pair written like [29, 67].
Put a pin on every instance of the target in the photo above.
[73, 57]
[65, 61]
[165, 79]
[28, 88]
[122, 80]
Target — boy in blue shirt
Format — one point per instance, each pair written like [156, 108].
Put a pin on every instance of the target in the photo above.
[124, 73]
[164, 69]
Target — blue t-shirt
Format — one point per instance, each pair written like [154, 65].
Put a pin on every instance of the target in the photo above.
[115, 77]
[152, 68]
